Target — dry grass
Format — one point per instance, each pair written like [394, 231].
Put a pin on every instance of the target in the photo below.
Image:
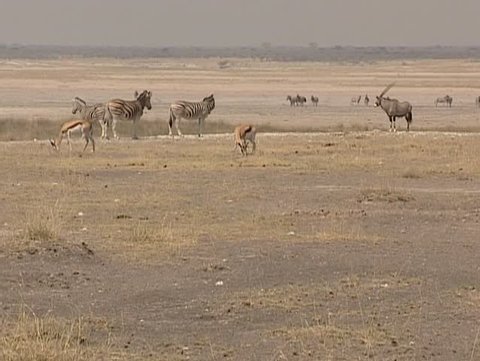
[33, 338]
[43, 223]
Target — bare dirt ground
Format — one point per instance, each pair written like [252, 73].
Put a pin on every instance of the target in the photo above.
[348, 244]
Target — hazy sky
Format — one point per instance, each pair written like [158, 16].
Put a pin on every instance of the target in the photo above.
[240, 22]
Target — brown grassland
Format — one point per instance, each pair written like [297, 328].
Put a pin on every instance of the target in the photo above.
[337, 240]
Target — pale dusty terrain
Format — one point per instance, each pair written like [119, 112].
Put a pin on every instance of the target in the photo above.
[345, 242]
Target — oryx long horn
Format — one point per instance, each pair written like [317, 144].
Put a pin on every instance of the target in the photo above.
[389, 86]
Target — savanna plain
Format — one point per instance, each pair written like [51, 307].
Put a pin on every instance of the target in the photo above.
[336, 240]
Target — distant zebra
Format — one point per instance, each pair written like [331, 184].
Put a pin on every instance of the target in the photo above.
[314, 100]
[446, 99]
[477, 101]
[301, 100]
[191, 111]
[292, 100]
[366, 100]
[119, 109]
[356, 100]
[92, 113]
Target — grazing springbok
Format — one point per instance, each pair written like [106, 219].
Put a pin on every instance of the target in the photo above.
[84, 126]
[447, 100]
[314, 100]
[119, 109]
[92, 113]
[394, 108]
[241, 134]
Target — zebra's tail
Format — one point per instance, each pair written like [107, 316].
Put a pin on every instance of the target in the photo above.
[171, 120]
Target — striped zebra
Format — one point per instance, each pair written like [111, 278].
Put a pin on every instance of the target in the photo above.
[190, 110]
[119, 109]
[447, 100]
[292, 100]
[314, 100]
[301, 100]
[91, 113]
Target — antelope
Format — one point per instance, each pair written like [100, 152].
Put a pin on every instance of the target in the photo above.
[241, 134]
[394, 108]
[85, 127]
[356, 100]
[366, 100]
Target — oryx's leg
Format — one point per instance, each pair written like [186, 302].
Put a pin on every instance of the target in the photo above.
[394, 124]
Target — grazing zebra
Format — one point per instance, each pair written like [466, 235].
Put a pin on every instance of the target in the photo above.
[85, 127]
[191, 111]
[241, 134]
[356, 100]
[314, 100]
[116, 109]
[292, 100]
[301, 100]
[366, 100]
[446, 99]
[92, 113]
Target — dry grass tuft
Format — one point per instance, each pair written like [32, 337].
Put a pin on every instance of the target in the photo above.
[34, 338]
[43, 224]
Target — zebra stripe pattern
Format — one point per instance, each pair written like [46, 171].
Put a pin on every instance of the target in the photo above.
[119, 109]
[91, 113]
[190, 111]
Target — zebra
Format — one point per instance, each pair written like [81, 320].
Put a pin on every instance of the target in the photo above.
[116, 109]
[314, 100]
[190, 110]
[477, 101]
[366, 100]
[446, 99]
[292, 100]
[301, 100]
[394, 108]
[356, 100]
[91, 113]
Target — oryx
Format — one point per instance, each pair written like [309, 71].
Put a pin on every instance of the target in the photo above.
[394, 108]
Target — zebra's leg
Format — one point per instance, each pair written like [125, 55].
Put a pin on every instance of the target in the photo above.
[177, 127]
[134, 134]
[200, 121]
[394, 125]
[114, 128]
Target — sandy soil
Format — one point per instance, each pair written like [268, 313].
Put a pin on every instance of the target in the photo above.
[354, 244]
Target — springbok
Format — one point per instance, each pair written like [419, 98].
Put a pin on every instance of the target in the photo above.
[366, 100]
[356, 100]
[85, 127]
[241, 134]
[394, 108]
